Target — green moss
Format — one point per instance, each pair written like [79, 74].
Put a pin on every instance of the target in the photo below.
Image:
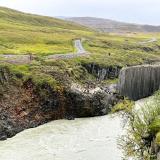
[23, 69]
[42, 79]
[158, 138]
[155, 125]
[125, 105]
[144, 126]
[25, 72]
[111, 81]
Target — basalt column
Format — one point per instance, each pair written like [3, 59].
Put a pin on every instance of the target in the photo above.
[139, 81]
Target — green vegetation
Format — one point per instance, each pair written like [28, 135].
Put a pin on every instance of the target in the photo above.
[143, 134]
[158, 138]
[35, 73]
[54, 73]
[121, 50]
[23, 33]
[124, 105]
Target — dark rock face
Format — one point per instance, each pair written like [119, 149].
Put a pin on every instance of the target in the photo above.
[139, 81]
[88, 105]
[103, 73]
[24, 105]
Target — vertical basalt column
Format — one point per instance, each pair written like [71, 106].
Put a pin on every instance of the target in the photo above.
[139, 81]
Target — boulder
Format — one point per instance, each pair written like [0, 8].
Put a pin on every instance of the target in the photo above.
[85, 104]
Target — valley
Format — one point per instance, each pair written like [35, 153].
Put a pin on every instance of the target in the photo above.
[62, 81]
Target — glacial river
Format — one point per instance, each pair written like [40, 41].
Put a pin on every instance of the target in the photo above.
[81, 139]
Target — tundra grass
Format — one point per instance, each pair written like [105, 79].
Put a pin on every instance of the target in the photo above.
[22, 33]
[121, 50]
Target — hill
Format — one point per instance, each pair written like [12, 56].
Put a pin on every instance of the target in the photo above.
[106, 25]
[23, 32]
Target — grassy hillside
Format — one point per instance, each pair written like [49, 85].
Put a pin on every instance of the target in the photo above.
[18, 17]
[123, 49]
[22, 33]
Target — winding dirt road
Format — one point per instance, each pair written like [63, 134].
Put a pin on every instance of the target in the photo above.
[79, 53]
[25, 59]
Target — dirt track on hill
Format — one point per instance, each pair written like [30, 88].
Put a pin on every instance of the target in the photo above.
[80, 51]
[27, 59]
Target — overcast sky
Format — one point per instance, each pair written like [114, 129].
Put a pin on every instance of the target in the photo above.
[137, 11]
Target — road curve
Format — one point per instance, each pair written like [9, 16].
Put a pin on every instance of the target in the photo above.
[80, 51]
[25, 59]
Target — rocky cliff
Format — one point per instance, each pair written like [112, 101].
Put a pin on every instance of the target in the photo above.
[23, 104]
[103, 73]
[139, 81]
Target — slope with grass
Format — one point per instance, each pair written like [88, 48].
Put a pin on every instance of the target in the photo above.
[142, 140]
[22, 33]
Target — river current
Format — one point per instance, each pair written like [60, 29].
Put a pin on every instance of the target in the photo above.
[93, 138]
[79, 139]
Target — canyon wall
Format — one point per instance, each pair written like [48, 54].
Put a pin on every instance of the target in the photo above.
[24, 104]
[103, 73]
[139, 81]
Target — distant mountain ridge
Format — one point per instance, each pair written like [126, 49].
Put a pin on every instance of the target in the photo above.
[107, 25]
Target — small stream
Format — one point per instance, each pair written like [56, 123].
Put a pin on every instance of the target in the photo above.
[80, 139]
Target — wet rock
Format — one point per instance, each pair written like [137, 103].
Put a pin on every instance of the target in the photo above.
[103, 73]
[139, 81]
[70, 117]
[158, 155]
[85, 104]
[3, 134]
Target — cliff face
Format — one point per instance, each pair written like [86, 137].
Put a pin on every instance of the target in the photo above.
[139, 81]
[23, 104]
[103, 73]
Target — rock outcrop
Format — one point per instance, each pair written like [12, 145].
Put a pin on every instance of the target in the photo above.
[24, 105]
[93, 102]
[139, 81]
[103, 73]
